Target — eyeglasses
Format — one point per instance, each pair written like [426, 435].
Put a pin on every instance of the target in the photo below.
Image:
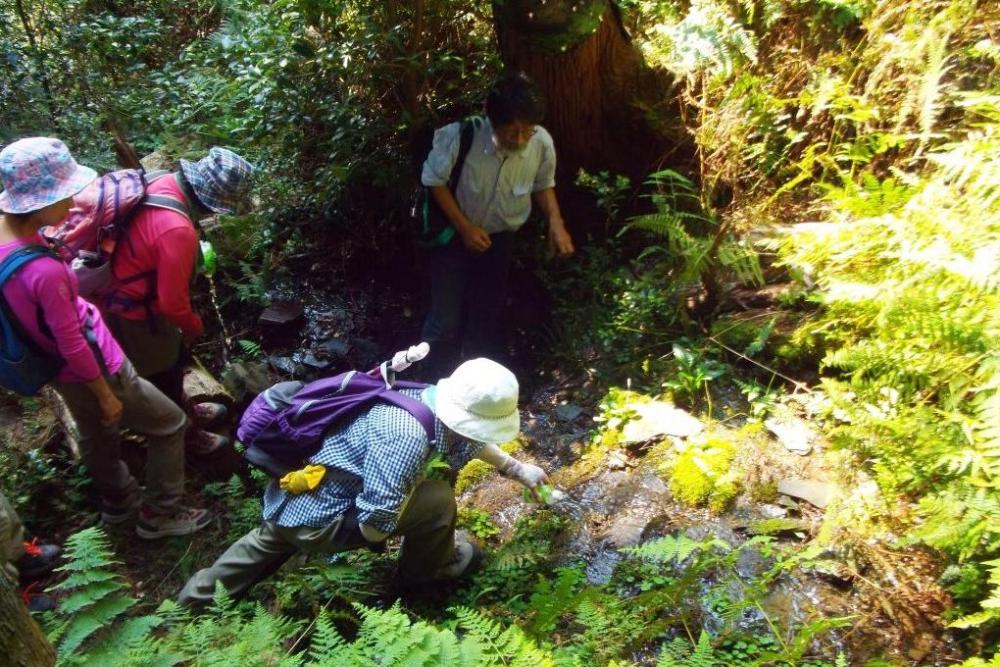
[515, 132]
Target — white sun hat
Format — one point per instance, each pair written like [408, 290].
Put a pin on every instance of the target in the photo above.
[479, 401]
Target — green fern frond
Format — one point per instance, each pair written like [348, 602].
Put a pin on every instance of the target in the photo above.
[670, 549]
[94, 600]
[680, 653]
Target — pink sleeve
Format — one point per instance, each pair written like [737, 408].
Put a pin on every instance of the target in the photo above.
[177, 250]
[50, 286]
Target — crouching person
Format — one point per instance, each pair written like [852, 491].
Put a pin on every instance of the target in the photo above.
[372, 488]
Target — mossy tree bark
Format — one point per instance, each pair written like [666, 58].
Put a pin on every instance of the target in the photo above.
[601, 96]
[21, 640]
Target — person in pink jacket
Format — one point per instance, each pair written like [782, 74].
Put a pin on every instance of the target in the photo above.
[148, 307]
[98, 383]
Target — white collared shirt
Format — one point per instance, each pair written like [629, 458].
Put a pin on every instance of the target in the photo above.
[494, 190]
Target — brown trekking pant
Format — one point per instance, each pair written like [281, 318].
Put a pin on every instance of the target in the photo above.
[427, 525]
[145, 410]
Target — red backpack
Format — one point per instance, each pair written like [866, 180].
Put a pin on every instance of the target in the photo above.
[87, 237]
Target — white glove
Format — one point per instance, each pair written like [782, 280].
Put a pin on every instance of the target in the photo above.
[402, 359]
[528, 474]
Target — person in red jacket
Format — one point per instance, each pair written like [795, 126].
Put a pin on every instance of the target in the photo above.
[149, 308]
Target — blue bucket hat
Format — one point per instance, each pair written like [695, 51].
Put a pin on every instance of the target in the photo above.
[218, 179]
[38, 172]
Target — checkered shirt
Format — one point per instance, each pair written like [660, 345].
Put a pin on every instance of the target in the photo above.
[373, 462]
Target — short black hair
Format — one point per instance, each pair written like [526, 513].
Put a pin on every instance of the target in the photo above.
[514, 98]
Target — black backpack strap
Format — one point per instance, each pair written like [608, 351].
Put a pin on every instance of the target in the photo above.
[466, 134]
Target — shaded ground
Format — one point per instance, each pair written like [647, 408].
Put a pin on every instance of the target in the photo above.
[618, 495]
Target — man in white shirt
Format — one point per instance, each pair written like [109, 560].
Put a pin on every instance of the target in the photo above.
[511, 161]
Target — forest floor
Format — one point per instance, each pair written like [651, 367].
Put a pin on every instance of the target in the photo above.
[618, 490]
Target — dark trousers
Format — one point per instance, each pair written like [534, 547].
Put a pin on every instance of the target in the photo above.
[468, 294]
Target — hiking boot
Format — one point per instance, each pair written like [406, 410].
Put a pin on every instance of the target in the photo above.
[207, 415]
[113, 515]
[463, 560]
[38, 560]
[36, 602]
[204, 443]
[182, 521]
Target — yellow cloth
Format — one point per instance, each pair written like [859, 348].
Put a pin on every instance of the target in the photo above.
[302, 481]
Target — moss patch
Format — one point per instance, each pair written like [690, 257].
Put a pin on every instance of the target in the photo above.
[475, 471]
[702, 474]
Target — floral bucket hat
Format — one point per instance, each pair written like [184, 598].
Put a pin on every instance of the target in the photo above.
[38, 172]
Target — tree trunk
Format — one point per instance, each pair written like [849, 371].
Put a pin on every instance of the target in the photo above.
[598, 88]
[21, 640]
[128, 158]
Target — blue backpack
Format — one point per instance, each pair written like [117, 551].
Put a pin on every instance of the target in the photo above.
[284, 425]
[24, 367]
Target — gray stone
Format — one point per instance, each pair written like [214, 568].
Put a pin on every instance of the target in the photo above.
[654, 484]
[810, 490]
[284, 365]
[769, 511]
[626, 531]
[658, 419]
[156, 161]
[312, 361]
[335, 348]
[617, 460]
[282, 313]
[793, 433]
[246, 378]
[567, 412]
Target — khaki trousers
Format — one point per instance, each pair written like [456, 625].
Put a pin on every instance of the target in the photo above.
[427, 525]
[145, 410]
[11, 539]
[153, 349]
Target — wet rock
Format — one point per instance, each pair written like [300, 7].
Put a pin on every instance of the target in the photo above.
[769, 511]
[312, 361]
[285, 365]
[658, 419]
[334, 348]
[812, 491]
[654, 484]
[789, 503]
[833, 571]
[793, 433]
[602, 566]
[627, 531]
[617, 460]
[568, 412]
[282, 314]
[246, 379]
[779, 527]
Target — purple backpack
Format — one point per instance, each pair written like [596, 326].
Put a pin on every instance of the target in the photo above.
[285, 424]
